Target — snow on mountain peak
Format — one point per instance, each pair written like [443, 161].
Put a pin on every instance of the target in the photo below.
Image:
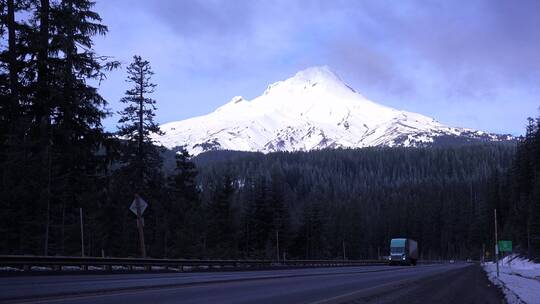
[237, 99]
[313, 78]
[234, 101]
[316, 74]
[314, 109]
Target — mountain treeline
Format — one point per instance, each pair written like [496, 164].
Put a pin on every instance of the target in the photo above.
[519, 196]
[335, 203]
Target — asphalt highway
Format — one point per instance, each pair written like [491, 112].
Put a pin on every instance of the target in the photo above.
[446, 283]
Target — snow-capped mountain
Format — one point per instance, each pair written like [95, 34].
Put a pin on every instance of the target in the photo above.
[314, 109]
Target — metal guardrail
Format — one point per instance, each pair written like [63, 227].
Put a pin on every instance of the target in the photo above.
[27, 263]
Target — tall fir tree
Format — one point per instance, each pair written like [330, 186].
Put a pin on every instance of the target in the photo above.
[76, 129]
[140, 161]
[54, 115]
[281, 227]
[11, 154]
[221, 231]
[182, 225]
[137, 123]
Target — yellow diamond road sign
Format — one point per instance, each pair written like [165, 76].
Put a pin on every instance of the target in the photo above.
[142, 205]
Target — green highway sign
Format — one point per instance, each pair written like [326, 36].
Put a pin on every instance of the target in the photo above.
[505, 246]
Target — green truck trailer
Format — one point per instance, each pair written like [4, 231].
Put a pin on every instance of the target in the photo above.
[403, 251]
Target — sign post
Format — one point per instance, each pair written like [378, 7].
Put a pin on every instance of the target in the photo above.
[138, 206]
[277, 245]
[82, 231]
[496, 243]
[483, 253]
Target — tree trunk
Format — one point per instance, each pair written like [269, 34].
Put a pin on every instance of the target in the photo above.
[140, 146]
[43, 115]
[63, 229]
[69, 49]
[42, 58]
[12, 56]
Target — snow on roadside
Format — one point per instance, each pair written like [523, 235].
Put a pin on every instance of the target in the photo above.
[9, 269]
[519, 279]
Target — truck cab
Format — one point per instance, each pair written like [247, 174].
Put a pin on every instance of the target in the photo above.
[403, 251]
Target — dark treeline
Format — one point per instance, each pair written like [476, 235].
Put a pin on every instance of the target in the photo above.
[322, 201]
[519, 196]
[56, 159]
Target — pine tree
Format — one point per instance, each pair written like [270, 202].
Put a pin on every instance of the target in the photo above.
[221, 232]
[183, 215]
[281, 226]
[262, 221]
[140, 161]
[54, 115]
[76, 129]
[20, 173]
[137, 124]
[182, 181]
[10, 155]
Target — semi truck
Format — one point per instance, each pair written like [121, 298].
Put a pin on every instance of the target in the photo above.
[403, 251]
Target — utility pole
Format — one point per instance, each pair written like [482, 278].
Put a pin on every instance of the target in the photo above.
[277, 245]
[82, 232]
[483, 253]
[528, 239]
[496, 243]
[343, 246]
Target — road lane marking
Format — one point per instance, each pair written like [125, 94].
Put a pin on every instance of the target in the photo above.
[143, 289]
[112, 279]
[329, 300]
[185, 275]
[385, 285]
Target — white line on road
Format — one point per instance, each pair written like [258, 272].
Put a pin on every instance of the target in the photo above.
[201, 284]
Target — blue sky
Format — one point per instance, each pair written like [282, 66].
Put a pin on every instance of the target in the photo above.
[469, 63]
